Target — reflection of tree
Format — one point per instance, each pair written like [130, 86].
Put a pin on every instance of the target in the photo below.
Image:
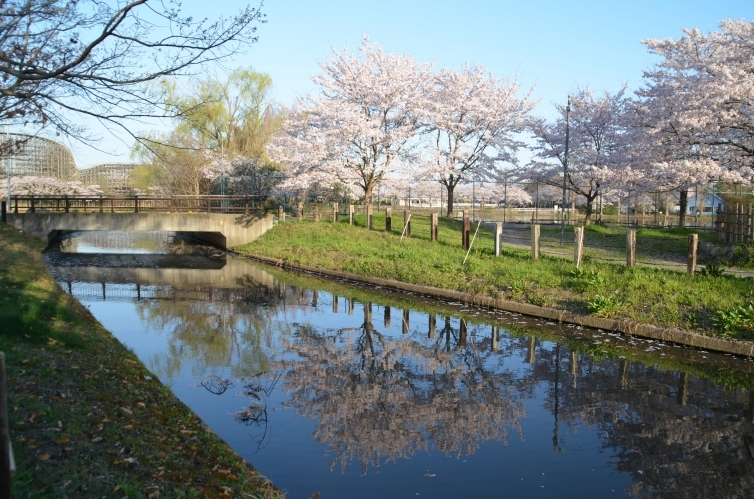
[377, 398]
[258, 389]
[210, 334]
[677, 435]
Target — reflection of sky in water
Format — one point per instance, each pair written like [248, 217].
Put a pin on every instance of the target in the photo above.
[621, 427]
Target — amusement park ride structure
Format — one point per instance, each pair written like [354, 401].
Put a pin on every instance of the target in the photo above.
[42, 157]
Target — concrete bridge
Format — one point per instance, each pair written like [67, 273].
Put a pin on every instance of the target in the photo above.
[218, 229]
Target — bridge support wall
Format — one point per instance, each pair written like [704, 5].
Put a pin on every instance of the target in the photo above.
[222, 230]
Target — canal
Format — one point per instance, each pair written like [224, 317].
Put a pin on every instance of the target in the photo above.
[352, 391]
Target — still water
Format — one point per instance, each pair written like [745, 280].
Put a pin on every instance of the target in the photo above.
[352, 391]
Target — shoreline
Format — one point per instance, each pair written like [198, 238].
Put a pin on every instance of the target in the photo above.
[624, 326]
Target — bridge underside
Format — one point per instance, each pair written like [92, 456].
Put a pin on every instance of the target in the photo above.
[220, 230]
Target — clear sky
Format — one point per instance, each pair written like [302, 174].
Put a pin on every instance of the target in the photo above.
[553, 45]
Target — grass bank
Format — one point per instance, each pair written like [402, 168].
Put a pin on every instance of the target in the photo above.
[712, 304]
[87, 419]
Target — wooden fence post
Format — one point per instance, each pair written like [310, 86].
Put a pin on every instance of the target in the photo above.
[6, 459]
[281, 214]
[406, 326]
[335, 213]
[719, 222]
[370, 216]
[498, 238]
[5, 211]
[494, 339]
[578, 245]
[386, 317]
[433, 223]
[691, 260]
[351, 214]
[315, 213]
[300, 211]
[432, 326]
[465, 231]
[630, 247]
[388, 219]
[535, 241]
[407, 223]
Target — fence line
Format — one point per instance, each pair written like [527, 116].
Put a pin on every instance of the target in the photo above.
[137, 204]
[735, 223]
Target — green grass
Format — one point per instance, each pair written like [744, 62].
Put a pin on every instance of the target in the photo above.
[86, 418]
[648, 295]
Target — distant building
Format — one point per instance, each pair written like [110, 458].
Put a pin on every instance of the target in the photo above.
[710, 201]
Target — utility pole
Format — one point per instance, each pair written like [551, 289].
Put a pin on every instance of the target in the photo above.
[565, 171]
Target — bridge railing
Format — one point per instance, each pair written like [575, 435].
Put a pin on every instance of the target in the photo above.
[138, 204]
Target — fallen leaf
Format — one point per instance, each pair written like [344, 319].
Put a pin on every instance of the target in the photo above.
[141, 404]
[60, 424]
[62, 440]
[154, 495]
[128, 427]
[188, 432]
[97, 439]
[44, 457]
[127, 411]
[224, 472]
[117, 488]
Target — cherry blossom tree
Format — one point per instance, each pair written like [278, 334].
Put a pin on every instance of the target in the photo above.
[704, 87]
[596, 139]
[362, 125]
[30, 185]
[472, 118]
[694, 113]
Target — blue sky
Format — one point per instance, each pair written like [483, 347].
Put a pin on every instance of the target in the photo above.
[553, 45]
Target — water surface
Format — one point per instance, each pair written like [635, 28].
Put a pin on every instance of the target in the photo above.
[352, 391]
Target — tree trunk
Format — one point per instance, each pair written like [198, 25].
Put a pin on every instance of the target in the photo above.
[589, 210]
[450, 188]
[683, 203]
[368, 193]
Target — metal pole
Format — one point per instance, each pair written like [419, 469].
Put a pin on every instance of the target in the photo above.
[565, 171]
[505, 189]
[6, 164]
[473, 183]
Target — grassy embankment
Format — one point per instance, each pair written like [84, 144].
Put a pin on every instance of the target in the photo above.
[718, 305]
[86, 417]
